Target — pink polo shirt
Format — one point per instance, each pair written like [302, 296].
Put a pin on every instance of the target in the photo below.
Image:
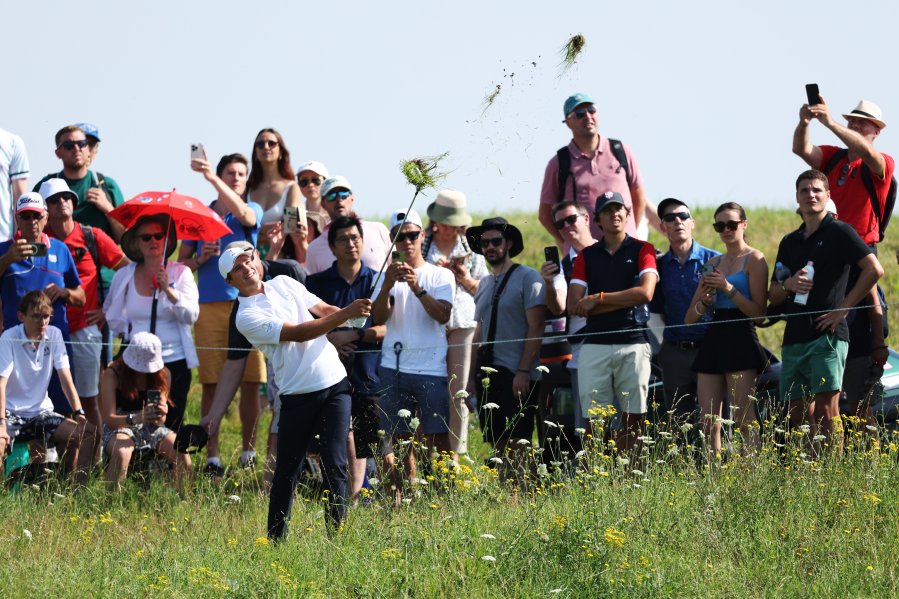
[376, 240]
[594, 175]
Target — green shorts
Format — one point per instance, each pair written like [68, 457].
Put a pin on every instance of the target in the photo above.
[812, 367]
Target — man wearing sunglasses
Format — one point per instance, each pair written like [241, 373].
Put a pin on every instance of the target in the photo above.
[414, 299]
[337, 201]
[33, 261]
[511, 311]
[680, 270]
[310, 177]
[850, 170]
[84, 321]
[97, 193]
[596, 164]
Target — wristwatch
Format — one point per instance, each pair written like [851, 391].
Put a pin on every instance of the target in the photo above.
[129, 419]
[80, 412]
[421, 293]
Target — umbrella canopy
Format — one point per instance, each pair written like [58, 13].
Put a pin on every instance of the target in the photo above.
[193, 219]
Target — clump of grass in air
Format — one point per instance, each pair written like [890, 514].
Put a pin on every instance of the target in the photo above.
[490, 98]
[571, 51]
[422, 173]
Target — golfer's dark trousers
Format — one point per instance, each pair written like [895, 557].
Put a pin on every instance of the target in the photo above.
[299, 416]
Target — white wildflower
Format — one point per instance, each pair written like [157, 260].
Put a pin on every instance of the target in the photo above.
[637, 472]
[495, 460]
[541, 470]
[461, 394]
[413, 424]
[580, 431]
[491, 406]
[818, 438]
[523, 442]
[686, 427]
[623, 461]
[233, 498]
[404, 413]
[374, 482]
[27, 533]
[805, 428]
[488, 558]
[488, 370]
[580, 454]
[550, 424]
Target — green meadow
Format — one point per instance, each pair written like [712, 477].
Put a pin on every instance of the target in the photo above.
[781, 524]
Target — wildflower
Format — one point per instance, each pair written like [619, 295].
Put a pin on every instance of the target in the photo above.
[488, 370]
[488, 558]
[523, 442]
[59, 495]
[232, 542]
[872, 497]
[543, 369]
[818, 438]
[623, 461]
[637, 472]
[541, 470]
[262, 541]
[413, 424]
[495, 460]
[580, 454]
[727, 422]
[404, 413]
[614, 537]
[550, 424]
[487, 535]
[373, 482]
[381, 433]
[870, 428]
[686, 427]
[461, 394]
[555, 464]
[27, 533]
[491, 406]
[779, 430]
[805, 428]
[234, 498]
[580, 431]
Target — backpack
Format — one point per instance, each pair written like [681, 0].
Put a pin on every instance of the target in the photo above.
[564, 157]
[889, 202]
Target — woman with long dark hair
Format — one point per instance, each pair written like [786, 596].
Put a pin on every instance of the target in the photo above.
[735, 285]
[271, 182]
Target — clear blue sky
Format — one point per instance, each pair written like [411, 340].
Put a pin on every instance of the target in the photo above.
[706, 93]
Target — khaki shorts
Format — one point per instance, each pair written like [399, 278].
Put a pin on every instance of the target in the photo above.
[614, 375]
[211, 330]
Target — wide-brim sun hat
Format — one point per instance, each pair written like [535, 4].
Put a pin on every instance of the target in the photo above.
[449, 209]
[144, 353]
[867, 110]
[131, 241]
[497, 223]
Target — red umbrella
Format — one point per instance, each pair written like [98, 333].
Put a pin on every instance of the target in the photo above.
[193, 219]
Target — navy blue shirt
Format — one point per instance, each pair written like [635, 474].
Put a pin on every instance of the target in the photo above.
[332, 289]
[677, 284]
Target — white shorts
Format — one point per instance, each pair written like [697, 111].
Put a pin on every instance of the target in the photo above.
[614, 375]
[86, 346]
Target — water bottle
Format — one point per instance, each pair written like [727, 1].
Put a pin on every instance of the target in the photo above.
[802, 298]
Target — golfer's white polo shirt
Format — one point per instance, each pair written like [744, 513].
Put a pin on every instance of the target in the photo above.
[299, 367]
[29, 369]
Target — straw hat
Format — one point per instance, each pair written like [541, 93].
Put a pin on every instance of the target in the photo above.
[867, 110]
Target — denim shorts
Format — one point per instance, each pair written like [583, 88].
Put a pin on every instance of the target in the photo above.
[425, 397]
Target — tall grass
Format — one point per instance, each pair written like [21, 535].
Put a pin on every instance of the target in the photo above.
[782, 524]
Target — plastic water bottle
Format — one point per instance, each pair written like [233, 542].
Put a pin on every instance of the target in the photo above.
[802, 298]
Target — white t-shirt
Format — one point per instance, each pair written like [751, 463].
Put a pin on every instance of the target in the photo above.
[298, 367]
[375, 239]
[13, 166]
[423, 338]
[29, 369]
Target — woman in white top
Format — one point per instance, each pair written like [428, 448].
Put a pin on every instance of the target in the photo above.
[130, 305]
[271, 182]
[445, 245]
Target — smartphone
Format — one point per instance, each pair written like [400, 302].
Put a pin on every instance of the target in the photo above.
[292, 217]
[708, 268]
[40, 248]
[458, 260]
[154, 397]
[551, 254]
[398, 256]
[197, 152]
[812, 94]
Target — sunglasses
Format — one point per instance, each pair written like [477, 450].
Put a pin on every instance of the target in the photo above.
[486, 242]
[314, 180]
[582, 112]
[148, 236]
[30, 215]
[69, 144]
[341, 194]
[730, 225]
[843, 173]
[266, 143]
[52, 200]
[671, 216]
[407, 236]
[568, 220]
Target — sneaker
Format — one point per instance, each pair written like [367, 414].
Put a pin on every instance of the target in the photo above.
[247, 460]
[214, 470]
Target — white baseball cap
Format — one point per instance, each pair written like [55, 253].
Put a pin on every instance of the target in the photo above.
[52, 187]
[31, 201]
[315, 166]
[229, 257]
[410, 217]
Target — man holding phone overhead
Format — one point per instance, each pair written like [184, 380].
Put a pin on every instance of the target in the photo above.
[854, 172]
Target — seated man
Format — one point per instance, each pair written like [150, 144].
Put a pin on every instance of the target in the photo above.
[29, 353]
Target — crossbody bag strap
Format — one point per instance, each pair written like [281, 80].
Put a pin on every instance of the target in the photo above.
[491, 330]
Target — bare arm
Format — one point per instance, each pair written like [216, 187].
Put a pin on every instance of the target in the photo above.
[68, 388]
[857, 144]
[227, 196]
[4, 436]
[638, 199]
[228, 383]
[802, 147]
[19, 188]
[555, 298]
[321, 326]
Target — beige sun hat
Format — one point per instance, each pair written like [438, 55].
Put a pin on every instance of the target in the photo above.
[867, 110]
[449, 209]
